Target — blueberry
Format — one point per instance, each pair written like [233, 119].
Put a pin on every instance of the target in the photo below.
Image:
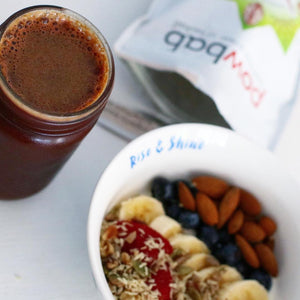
[171, 193]
[224, 236]
[217, 251]
[263, 277]
[164, 190]
[172, 210]
[158, 187]
[243, 268]
[209, 235]
[217, 247]
[228, 253]
[188, 219]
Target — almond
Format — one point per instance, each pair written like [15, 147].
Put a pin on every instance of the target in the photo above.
[235, 222]
[186, 197]
[249, 204]
[268, 225]
[211, 186]
[228, 205]
[252, 232]
[267, 259]
[207, 209]
[250, 218]
[248, 251]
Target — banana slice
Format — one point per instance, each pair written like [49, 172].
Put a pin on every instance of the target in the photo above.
[166, 226]
[188, 243]
[245, 290]
[199, 261]
[222, 274]
[141, 208]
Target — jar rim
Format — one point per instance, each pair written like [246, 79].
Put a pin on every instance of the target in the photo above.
[73, 116]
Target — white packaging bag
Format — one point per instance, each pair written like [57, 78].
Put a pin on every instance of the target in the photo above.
[244, 54]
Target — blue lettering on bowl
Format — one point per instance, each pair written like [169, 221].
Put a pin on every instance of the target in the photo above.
[163, 146]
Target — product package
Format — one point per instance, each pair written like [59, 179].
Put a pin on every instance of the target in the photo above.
[244, 55]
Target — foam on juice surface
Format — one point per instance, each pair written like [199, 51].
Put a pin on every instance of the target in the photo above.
[53, 62]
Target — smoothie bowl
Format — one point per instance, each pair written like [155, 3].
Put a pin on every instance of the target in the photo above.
[195, 211]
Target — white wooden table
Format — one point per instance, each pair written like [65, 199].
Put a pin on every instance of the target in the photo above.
[43, 252]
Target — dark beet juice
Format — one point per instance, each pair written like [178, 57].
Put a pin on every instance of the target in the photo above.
[56, 76]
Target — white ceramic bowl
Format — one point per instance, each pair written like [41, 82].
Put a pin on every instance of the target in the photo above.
[184, 150]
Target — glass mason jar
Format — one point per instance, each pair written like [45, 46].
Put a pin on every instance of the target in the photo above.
[35, 144]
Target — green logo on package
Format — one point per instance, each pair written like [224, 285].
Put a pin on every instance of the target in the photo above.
[285, 19]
